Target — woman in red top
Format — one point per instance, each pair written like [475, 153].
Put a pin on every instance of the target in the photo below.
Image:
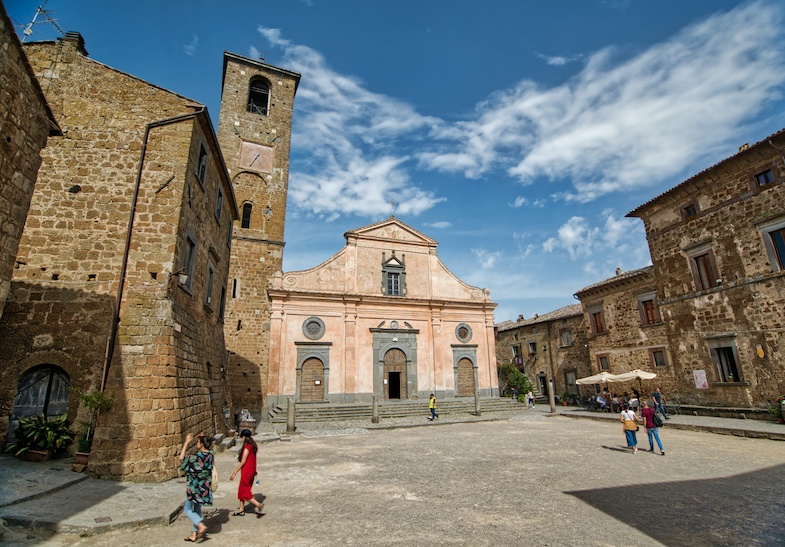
[247, 470]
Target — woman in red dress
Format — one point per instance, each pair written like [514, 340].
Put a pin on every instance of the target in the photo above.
[247, 470]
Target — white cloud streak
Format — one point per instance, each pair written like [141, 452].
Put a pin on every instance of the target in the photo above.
[620, 126]
[190, 48]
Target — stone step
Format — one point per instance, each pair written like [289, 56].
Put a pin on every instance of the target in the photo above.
[319, 412]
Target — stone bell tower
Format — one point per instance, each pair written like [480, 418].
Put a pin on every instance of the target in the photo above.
[254, 132]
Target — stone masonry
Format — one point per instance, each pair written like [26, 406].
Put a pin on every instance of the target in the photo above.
[25, 123]
[91, 238]
[256, 148]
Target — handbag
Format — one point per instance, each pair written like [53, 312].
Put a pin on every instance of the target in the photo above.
[657, 420]
[630, 425]
[214, 479]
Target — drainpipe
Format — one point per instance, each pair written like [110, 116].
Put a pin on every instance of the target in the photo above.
[111, 342]
[551, 397]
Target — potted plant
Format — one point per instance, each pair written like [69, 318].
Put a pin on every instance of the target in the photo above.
[777, 411]
[95, 402]
[38, 438]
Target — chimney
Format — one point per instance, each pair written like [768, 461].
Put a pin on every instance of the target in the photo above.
[618, 271]
[520, 317]
[77, 40]
[744, 147]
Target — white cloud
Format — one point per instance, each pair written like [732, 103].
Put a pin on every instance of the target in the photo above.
[486, 258]
[190, 48]
[440, 224]
[354, 140]
[558, 60]
[520, 201]
[626, 124]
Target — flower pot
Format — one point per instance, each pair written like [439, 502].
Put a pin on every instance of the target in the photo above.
[81, 457]
[37, 455]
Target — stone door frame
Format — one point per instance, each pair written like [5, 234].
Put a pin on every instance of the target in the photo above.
[464, 351]
[395, 338]
[317, 350]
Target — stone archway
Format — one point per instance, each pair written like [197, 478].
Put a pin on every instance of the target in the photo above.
[466, 384]
[312, 381]
[395, 374]
[42, 390]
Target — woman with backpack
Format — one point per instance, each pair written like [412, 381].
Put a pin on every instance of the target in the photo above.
[652, 424]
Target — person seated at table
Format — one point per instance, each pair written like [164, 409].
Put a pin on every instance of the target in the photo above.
[634, 403]
[602, 404]
[615, 403]
[625, 398]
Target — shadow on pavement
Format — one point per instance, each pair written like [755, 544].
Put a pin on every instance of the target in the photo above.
[744, 509]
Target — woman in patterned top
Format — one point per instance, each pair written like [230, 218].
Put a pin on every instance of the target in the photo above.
[198, 470]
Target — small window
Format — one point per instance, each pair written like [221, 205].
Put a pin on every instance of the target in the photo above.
[647, 306]
[222, 304]
[776, 246]
[201, 165]
[235, 288]
[532, 348]
[219, 203]
[762, 179]
[689, 211]
[208, 288]
[229, 227]
[258, 96]
[313, 328]
[658, 357]
[602, 361]
[597, 320]
[704, 271]
[517, 358]
[189, 259]
[247, 210]
[726, 360]
[393, 275]
[463, 332]
[565, 337]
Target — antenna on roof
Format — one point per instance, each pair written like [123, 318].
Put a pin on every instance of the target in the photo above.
[393, 205]
[28, 30]
[264, 54]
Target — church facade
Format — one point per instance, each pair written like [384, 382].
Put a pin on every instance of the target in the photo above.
[381, 318]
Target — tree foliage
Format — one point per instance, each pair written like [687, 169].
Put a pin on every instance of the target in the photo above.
[510, 377]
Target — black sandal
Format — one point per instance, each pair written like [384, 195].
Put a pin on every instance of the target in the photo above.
[238, 514]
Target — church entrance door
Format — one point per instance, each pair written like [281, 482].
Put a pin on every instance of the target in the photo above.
[312, 381]
[465, 378]
[395, 374]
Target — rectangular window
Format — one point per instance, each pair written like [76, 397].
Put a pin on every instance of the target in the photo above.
[777, 240]
[565, 337]
[189, 259]
[235, 287]
[219, 202]
[208, 288]
[597, 320]
[229, 232]
[647, 306]
[658, 357]
[762, 179]
[726, 360]
[704, 270]
[532, 348]
[602, 361]
[222, 304]
[393, 284]
[201, 165]
[517, 358]
[689, 211]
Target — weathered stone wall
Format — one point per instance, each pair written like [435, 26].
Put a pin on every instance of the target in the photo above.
[628, 341]
[25, 122]
[748, 305]
[168, 363]
[257, 251]
[551, 357]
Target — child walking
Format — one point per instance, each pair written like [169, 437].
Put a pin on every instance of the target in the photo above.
[247, 470]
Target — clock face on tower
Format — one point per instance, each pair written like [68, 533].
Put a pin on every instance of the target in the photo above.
[256, 157]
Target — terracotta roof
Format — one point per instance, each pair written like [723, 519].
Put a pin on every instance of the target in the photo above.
[562, 313]
[616, 279]
[635, 212]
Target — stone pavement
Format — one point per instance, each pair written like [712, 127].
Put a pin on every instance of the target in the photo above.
[49, 497]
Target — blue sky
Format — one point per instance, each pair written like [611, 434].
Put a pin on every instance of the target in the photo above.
[517, 134]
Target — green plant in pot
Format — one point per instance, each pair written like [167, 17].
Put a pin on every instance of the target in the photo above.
[38, 434]
[95, 402]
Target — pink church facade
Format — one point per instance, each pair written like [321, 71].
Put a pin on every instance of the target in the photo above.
[383, 317]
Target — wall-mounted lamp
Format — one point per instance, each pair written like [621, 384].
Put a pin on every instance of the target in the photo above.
[182, 276]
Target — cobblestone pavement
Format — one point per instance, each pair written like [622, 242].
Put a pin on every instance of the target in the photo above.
[522, 478]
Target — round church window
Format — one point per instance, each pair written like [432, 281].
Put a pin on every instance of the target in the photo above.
[313, 328]
[463, 332]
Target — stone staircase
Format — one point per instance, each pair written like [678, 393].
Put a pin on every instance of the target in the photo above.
[326, 412]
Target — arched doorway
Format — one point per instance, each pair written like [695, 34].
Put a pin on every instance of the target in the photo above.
[395, 374]
[312, 380]
[42, 390]
[465, 378]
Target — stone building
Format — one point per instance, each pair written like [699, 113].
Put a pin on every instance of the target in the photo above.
[383, 317]
[25, 123]
[122, 268]
[624, 327]
[255, 131]
[717, 244]
[552, 345]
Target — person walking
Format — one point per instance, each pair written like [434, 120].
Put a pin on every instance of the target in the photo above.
[630, 424]
[432, 406]
[247, 470]
[658, 406]
[198, 470]
[530, 399]
[652, 430]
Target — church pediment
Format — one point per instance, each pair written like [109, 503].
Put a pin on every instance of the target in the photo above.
[392, 230]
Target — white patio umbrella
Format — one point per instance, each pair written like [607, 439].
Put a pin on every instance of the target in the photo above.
[632, 375]
[602, 377]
